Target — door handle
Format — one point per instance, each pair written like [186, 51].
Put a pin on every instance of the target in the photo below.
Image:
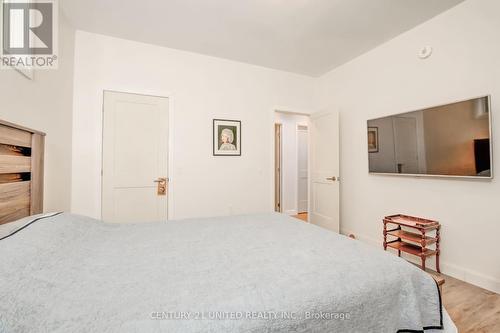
[162, 186]
[332, 179]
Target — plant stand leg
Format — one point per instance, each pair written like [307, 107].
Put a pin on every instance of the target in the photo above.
[385, 235]
[423, 244]
[438, 251]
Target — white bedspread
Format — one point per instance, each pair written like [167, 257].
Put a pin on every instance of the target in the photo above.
[259, 273]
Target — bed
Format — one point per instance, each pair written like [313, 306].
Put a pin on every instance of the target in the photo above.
[257, 273]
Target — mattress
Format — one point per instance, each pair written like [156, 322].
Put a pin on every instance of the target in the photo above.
[255, 273]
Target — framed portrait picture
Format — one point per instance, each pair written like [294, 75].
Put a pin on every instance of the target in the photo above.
[373, 139]
[227, 137]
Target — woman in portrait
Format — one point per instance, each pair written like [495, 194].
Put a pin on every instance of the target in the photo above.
[227, 138]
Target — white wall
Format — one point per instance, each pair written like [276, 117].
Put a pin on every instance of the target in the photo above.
[201, 88]
[289, 150]
[45, 104]
[392, 79]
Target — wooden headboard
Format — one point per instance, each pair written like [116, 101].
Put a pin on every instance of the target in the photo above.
[21, 172]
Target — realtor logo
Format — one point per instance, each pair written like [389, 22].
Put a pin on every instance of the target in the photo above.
[29, 33]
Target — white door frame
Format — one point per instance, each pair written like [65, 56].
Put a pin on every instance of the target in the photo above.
[170, 163]
[273, 121]
[280, 166]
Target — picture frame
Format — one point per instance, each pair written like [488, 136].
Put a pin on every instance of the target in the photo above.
[373, 145]
[226, 137]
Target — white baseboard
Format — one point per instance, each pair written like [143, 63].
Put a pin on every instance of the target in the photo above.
[290, 212]
[461, 273]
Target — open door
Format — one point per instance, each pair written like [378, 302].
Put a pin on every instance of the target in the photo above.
[302, 169]
[324, 182]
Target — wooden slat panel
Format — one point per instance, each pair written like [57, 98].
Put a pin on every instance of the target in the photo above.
[37, 158]
[22, 128]
[10, 178]
[13, 191]
[14, 201]
[14, 215]
[13, 136]
[14, 164]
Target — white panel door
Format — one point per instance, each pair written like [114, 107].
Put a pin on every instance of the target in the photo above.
[324, 183]
[135, 158]
[302, 169]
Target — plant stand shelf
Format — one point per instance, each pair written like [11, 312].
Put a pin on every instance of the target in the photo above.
[414, 239]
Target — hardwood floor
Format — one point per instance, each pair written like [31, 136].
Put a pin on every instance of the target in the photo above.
[301, 216]
[472, 309]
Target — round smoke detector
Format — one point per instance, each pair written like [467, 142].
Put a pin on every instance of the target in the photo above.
[425, 52]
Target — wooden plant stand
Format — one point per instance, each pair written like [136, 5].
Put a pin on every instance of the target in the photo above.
[415, 238]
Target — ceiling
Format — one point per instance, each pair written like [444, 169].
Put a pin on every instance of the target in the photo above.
[303, 36]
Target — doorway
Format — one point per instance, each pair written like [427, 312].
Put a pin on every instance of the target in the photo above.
[313, 183]
[292, 164]
[134, 158]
